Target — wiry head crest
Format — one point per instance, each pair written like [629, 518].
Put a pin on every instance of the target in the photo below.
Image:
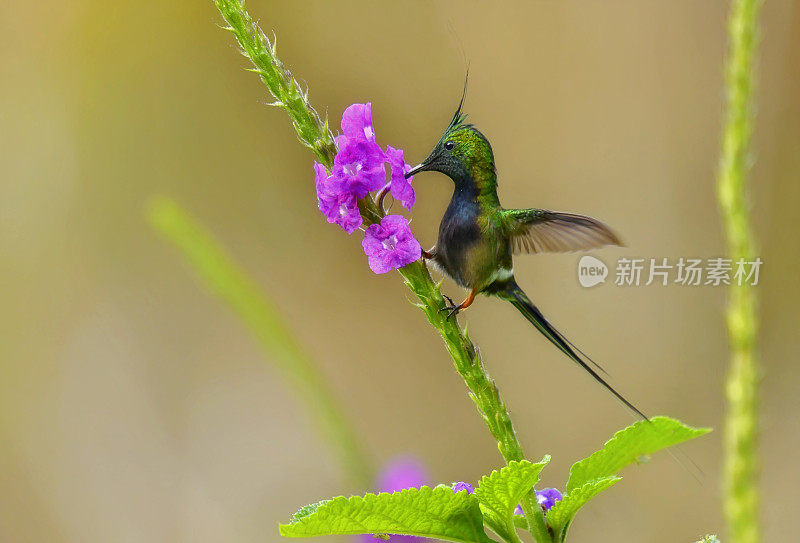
[462, 152]
[459, 117]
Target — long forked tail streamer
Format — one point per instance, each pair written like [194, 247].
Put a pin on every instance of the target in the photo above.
[520, 300]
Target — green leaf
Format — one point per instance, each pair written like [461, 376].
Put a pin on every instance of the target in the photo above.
[428, 512]
[709, 539]
[628, 445]
[561, 514]
[307, 510]
[501, 491]
[521, 522]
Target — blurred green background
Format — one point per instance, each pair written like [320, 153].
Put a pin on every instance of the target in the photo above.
[135, 407]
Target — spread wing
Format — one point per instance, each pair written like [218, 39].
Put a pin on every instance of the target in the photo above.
[540, 231]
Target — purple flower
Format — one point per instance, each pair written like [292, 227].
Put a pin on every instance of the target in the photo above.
[399, 474]
[357, 122]
[390, 244]
[359, 168]
[359, 164]
[402, 473]
[547, 498]
[400, 186]
[336, 201]
[461, 485]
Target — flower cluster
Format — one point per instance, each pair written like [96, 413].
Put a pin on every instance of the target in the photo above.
[358, 169]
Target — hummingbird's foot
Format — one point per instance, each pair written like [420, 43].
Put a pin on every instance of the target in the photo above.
[454, 309]
[451, 310]
[451, 307]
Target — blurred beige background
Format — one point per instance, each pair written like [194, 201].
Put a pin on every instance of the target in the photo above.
[135, 407]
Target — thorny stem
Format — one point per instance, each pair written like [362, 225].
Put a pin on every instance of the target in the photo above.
[315, 133]
[311, 129]
[741, 426]
[482, 389]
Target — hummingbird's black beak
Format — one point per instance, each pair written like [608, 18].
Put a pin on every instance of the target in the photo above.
[416, 169]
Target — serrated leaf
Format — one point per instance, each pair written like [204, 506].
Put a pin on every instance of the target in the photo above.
[501, 491]
[496, 525]
[561, 514]
[640, 438]
[521, 522]
[437, 513]
[307, 510]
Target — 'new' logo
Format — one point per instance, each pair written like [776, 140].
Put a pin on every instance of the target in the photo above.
[591, 271]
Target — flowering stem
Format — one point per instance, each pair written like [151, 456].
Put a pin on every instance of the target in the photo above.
[741, 425]
[311, 129]
[315, 133]
[483, 390]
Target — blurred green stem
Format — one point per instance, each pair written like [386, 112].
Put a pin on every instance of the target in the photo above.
[314, 133]
[224, 277]
[741, 425]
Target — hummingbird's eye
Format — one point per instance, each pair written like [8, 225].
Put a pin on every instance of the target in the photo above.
[449, 145]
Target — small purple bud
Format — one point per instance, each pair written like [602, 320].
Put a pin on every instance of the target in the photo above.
[548, 497]
[461, 485]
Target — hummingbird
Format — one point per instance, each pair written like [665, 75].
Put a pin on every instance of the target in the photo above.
[478, 237]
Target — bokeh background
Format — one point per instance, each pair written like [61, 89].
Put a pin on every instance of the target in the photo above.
[135, 407]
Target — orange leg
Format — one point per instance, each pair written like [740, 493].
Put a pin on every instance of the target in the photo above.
[468, 301]
[454, 309]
